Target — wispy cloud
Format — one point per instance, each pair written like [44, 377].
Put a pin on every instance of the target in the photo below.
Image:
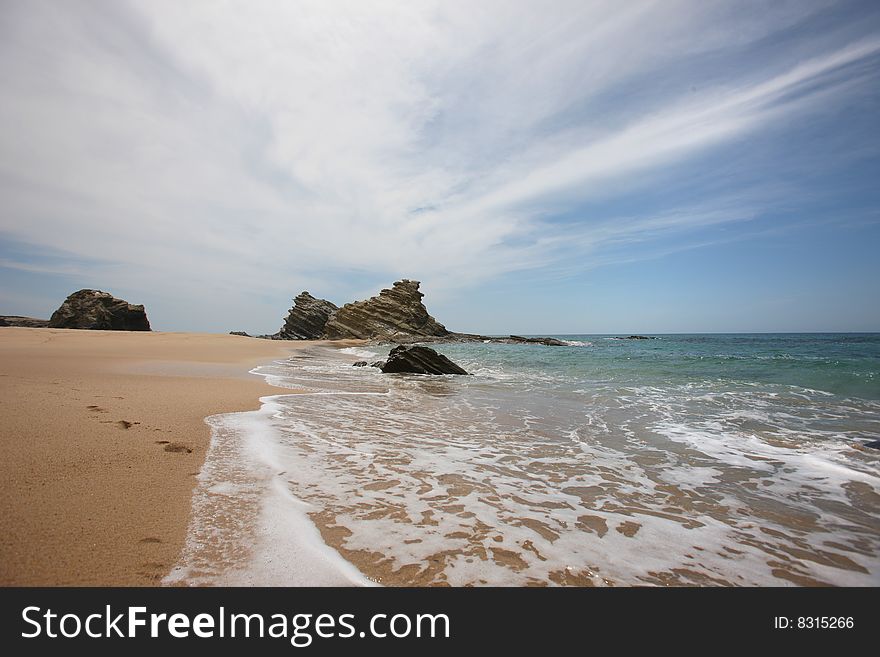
[228, 146]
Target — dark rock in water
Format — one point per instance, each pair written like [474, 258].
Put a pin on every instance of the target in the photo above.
[360, 363]
[474, 337]
[307, 318]
[100, 311]
[550, 342]
[638, 337]
[241, 333]
[419, 360]
[397, 314]
[875, 444]
[378, 363]
[18, 320]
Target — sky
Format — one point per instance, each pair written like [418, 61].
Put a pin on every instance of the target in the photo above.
[542, 167]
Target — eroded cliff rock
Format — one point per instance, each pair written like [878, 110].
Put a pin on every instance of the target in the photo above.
[101, 311]
[307, 319]
[396, 313]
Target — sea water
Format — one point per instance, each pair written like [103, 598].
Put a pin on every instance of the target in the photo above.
[682, 460]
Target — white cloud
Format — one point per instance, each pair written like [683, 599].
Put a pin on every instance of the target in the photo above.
[217, 147]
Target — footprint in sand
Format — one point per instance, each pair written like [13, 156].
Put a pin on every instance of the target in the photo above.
[152, 570]
[150, 539]
[96, 409]
[125, 424]
[178, 448]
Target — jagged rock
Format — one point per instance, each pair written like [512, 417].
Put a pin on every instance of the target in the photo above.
[377, 363]
[307, 318]
[396, 314]
[93, 309]
[419, 360]
[241, 333]
[18, 320]
[550, 342]
[360, 363]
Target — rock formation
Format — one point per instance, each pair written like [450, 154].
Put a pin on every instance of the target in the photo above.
[474, 337]
[550, 342]
[93, 309]
[17, 320]
[307, 318]
[243, 334]
[419, 360]
[397, 313]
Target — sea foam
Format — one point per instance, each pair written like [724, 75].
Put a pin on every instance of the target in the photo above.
[545, 467]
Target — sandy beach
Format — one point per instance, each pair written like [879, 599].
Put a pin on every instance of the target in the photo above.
[102, 435]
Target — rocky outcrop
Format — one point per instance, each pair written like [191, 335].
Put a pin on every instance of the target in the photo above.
[419, 360]
[636, 337]
[101, 311]
[243, 334]
[550, 342]
[307, 319]
[397, 314]
[28, 322]
[474, 337]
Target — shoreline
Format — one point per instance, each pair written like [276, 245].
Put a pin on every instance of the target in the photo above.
[104, 434]
[199, 459]
[501, 479]
[247, 527]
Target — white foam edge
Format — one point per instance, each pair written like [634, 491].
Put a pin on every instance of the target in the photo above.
[287, 548]
[357, 351]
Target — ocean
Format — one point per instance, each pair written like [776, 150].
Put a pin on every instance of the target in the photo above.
[682, 460]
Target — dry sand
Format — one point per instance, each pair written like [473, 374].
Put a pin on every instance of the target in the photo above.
[102, 437]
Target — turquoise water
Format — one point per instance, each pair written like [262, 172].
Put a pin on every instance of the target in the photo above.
[846, 365]
[684, 460]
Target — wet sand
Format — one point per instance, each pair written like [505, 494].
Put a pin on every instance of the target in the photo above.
[102, 437]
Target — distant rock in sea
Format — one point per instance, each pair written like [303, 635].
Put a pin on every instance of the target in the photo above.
[413, 359]
[101, 311]
[307, 319]
[550, 342]
[637, 337]
[396, 314]
[510, 339]
[241, 333]
[18, 320]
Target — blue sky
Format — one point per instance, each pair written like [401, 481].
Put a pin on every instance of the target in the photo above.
[553, 167]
